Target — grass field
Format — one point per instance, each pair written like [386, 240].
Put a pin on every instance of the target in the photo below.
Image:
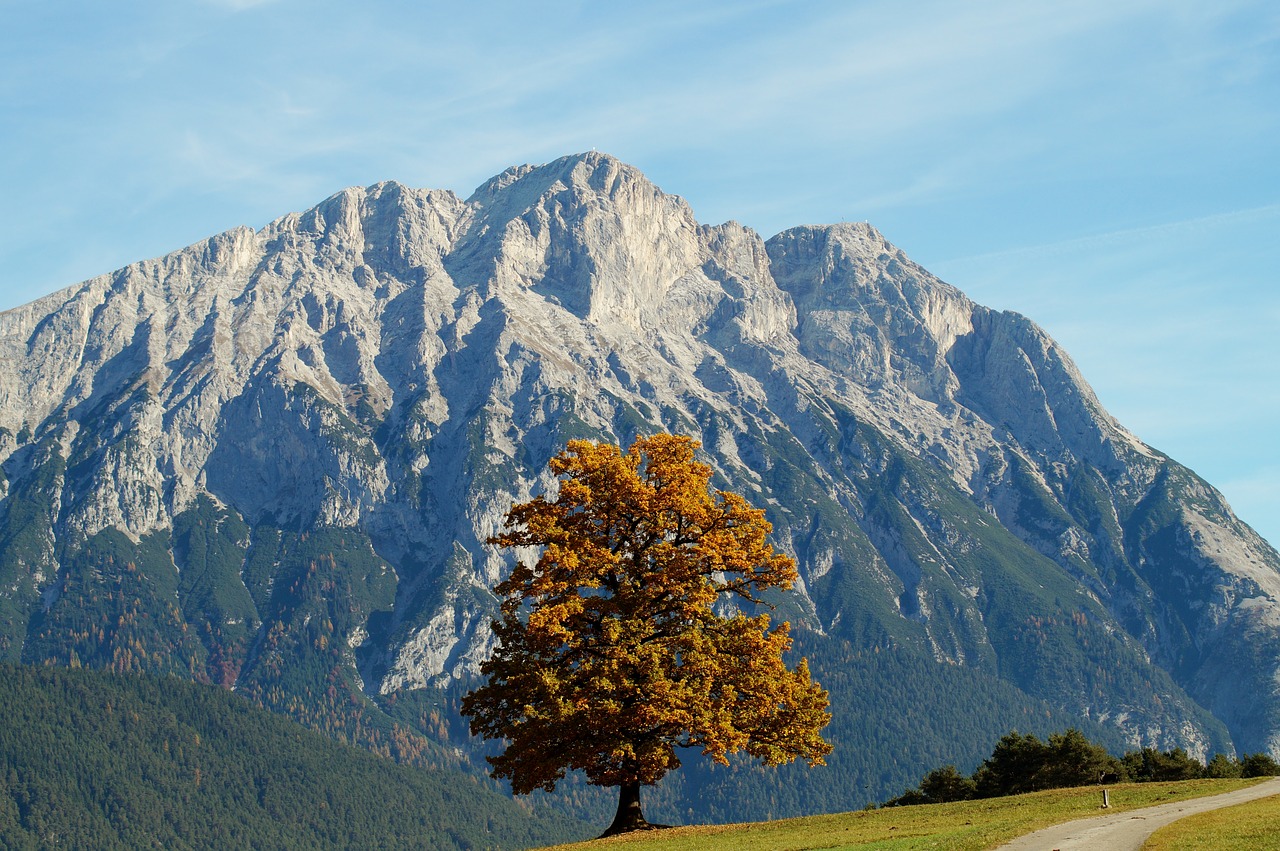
[967, 826]
[1254, 826]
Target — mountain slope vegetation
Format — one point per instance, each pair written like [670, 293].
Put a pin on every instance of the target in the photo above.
[94, 760]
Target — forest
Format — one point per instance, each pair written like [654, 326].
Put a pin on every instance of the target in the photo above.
[97, 760]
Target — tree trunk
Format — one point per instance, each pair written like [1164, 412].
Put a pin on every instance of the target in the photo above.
[630, 817]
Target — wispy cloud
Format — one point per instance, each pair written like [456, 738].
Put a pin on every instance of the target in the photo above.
[1126, 237]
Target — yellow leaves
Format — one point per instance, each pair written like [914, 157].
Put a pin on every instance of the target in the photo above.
[610, 653]
[550, 622]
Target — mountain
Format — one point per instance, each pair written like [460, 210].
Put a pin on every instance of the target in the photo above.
[270, 461]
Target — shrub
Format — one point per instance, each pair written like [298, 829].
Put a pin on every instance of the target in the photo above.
[945, 784]
[1222, 766]
[1150, 764]
[1259, 765]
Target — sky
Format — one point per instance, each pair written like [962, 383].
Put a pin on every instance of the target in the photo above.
[1109, 168]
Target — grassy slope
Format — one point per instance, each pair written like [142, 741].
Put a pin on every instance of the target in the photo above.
[1245, 827]
[968, 826]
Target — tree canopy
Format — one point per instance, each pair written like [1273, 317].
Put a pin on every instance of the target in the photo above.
[612, 652]
[1023, 763]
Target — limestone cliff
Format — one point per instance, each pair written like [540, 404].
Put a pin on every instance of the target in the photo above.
[322, 421]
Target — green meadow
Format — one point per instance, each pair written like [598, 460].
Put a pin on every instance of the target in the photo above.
[964, 826]
[1254, 826]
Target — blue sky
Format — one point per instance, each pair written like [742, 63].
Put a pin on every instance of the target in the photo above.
[1110, 169]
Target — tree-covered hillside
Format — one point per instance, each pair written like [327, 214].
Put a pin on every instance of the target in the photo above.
[90, 760]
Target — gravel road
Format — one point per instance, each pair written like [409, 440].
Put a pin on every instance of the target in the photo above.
[1128, 830]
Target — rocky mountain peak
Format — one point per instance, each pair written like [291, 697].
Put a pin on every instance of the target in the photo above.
[303, 435]
[594, 171]
[587, 233]
[851, 268]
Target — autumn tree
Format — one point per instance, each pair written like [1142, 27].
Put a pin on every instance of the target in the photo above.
[612, 654]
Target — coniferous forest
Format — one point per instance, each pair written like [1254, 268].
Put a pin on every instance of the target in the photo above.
[94, 760]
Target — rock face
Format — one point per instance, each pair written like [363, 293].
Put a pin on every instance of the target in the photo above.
[271, 460]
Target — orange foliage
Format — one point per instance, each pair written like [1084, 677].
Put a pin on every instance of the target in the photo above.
[610, 655]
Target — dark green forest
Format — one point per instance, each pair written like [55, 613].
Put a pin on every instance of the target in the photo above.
[1022, 763]
[96, 760]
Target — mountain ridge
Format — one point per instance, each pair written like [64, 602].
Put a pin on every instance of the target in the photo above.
[396, 365]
